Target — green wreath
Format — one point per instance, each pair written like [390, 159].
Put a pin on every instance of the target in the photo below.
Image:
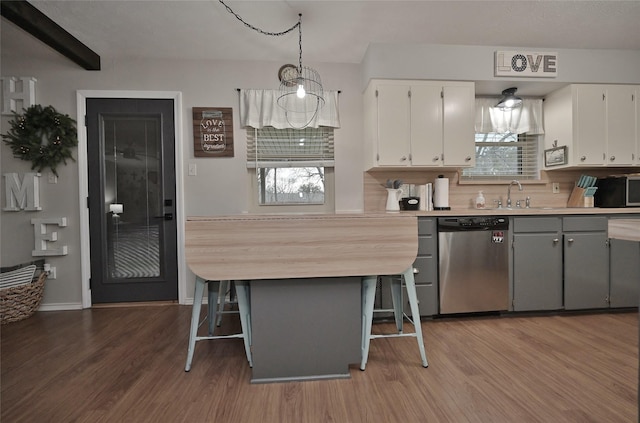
[42, 136]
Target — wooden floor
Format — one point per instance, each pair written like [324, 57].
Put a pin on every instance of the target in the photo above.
[127, 365]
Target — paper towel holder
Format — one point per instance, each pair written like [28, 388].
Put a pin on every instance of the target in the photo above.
[441, 207]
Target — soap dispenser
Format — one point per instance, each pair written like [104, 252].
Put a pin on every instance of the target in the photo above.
[480, 200]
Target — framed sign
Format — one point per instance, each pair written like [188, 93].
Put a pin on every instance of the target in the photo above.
[555, 156]
[212, 132]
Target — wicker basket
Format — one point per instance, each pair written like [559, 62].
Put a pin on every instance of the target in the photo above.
[22, 301]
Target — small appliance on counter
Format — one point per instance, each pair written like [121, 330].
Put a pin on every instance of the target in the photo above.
[618, 191]
[412, 202]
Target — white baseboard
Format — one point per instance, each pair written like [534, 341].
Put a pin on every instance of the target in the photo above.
[60, 307]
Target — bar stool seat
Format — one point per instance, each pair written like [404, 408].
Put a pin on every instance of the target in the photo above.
[368, 298]
[214, 289]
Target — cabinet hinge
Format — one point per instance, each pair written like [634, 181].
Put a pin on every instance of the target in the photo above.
[376, 93]
[409, 93]
[377, 157]
[603, 97]
[441, 93]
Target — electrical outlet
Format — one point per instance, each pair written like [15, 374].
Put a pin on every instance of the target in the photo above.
[555, 187]
[193, 170]
[52, 178]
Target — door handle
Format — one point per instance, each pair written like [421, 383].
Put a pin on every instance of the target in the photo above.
[166, 216]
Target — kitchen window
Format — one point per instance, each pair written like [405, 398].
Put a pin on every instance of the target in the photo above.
[507, 141]
[504, 156]
[291, 167]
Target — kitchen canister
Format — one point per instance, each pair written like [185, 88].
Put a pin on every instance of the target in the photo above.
[441, 193]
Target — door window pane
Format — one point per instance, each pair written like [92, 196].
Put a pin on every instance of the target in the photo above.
[133, 196]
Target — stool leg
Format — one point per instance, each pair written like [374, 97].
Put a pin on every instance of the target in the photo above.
[368, 297]
[396, 298]
[415, 311]
[195, 320]
[212, 300]
[222, 295]
[244, 307]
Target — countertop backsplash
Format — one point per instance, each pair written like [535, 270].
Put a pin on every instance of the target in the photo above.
[462, 195]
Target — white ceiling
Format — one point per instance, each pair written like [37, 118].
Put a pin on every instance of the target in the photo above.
[332, 31]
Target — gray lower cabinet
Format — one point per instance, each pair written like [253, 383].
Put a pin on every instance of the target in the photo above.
[537, 263]
[586, 262]
[425, 274]
[426, 269]
[624, 272]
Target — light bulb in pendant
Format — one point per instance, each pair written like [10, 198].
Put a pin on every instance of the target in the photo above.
[301, 93]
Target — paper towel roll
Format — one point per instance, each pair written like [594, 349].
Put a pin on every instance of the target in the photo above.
[441, 194]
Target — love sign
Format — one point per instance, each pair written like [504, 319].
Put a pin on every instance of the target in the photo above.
[529, 64]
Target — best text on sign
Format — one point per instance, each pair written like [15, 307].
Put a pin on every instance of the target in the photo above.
[529, 64]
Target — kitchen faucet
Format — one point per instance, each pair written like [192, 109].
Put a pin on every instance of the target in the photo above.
[509, 191]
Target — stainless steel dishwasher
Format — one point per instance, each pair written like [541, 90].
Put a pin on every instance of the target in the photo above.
[473, 264]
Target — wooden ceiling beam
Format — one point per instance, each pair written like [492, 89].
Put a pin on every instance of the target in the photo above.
[36, 23]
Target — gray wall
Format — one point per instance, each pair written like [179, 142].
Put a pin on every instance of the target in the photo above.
[221, 185]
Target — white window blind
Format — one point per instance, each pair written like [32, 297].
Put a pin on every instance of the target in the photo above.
[269, 147]
[504, 156]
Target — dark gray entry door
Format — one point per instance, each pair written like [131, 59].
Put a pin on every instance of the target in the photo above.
[131, 168]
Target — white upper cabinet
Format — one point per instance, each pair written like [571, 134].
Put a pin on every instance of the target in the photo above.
[596, 122]
[419, 124]
[621, 125]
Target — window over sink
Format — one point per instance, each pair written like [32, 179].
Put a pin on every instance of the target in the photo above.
[504, 156]
[506, 141]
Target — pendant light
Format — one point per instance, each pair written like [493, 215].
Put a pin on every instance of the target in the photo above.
[301, 93]
[509, 99]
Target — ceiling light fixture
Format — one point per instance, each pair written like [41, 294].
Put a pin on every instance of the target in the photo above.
[509, 99]
[301, 94]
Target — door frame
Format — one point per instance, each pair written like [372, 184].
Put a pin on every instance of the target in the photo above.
[83, 181]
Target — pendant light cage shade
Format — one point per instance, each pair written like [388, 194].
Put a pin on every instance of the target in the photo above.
[509, 99]
[301, 96]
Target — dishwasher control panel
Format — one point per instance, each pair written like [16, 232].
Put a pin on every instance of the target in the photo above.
[451, 224]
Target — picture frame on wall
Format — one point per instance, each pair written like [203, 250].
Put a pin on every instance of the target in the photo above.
[556, 156]
[212, 132]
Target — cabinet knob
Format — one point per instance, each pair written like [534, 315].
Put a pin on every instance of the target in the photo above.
[436, 158]
[570, 240]
[583, 158]
[467, 159]
[612, 158]
[556, 240]
[403, 158]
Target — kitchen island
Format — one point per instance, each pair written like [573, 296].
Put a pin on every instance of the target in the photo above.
[305, 274]
[627, 230]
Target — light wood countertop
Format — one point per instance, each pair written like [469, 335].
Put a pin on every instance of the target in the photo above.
[251, 247]
[625, 229]
[541, 211]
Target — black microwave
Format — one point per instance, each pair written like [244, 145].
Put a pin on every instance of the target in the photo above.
[618, 191]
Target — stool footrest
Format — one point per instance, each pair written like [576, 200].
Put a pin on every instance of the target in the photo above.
[392, 335]
[203, 338]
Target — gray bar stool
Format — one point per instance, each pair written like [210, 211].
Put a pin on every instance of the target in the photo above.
[368, 298]
[242, 292]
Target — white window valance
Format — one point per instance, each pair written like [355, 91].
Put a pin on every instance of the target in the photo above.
[526, 119]
[259, 108]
